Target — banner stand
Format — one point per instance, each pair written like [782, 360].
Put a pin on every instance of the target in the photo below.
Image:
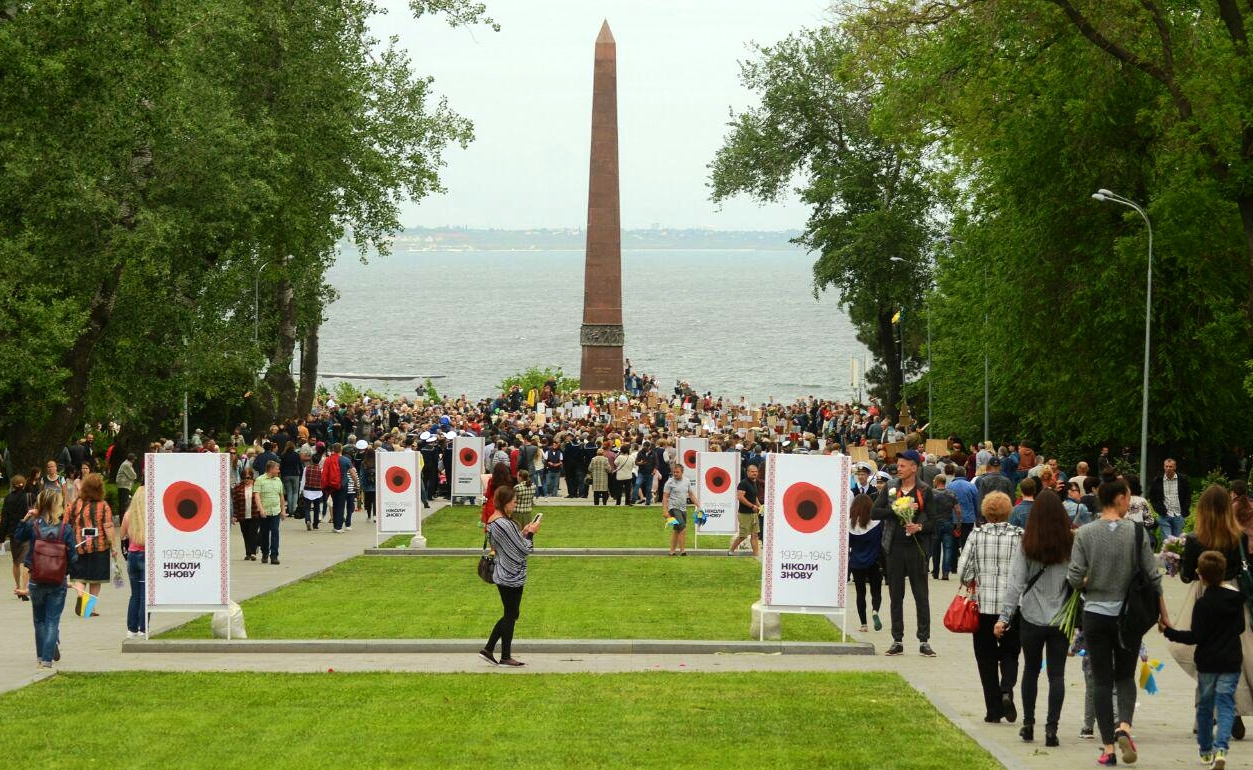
[784, 609]
[398, 497]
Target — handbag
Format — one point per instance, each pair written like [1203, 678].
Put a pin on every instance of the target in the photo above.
[1139, 606]
[962, 615]
[48, 559]
[1245, 579]
[487, 561]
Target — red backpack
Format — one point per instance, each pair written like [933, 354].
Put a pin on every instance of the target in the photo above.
[331, 478]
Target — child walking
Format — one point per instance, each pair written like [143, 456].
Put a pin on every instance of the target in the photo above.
[1217, 622]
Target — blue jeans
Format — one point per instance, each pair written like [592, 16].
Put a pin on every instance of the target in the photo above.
[552, 482]
[267, 527]
[1215, 692]
[943, 555]
[136, 617]
[291, 490]
[317, 510]
[46, 604]
[1170, 526]
[644, 488]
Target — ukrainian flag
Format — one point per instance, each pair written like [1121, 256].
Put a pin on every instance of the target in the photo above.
[84, 605]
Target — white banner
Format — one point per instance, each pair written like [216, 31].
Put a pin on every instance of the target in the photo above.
[806, 540]
[719, 474]
[188, 552]
[467, 466]
[688, 447]
[397, 476]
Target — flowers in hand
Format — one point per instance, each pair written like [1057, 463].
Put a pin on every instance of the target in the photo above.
[1171, 555]
[905, 509]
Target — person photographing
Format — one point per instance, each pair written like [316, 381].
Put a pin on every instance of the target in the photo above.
[512, 545]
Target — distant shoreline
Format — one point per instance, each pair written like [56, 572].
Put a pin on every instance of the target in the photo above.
[453, 239]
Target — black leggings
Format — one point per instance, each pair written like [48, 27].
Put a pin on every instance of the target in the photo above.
[511, 600]
[1043, 644]
[872, 577]
[1113, 672]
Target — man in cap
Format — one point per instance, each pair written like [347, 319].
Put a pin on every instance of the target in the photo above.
[905, 549]
[861, 484]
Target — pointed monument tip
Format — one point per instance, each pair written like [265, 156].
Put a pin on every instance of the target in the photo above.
[605, 35]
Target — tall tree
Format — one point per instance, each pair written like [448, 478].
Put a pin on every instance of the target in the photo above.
[870, 207]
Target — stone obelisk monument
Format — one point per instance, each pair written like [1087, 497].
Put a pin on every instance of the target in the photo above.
[601, 335]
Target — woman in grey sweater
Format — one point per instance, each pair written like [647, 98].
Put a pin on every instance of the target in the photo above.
[512, 545]
[1037, 585]
[1102, 563]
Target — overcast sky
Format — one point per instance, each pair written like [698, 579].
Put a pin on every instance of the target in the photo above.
[528, 89]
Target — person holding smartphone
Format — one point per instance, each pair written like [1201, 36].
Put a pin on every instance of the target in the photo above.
[512, 546]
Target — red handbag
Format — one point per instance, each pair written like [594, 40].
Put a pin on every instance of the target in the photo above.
[962, 615]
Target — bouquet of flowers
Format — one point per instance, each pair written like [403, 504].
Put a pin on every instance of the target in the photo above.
[1171, 555]
[1068, 616]
[905, 509]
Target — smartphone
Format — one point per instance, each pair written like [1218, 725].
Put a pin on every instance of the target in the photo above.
[538, 518]
[90, 532]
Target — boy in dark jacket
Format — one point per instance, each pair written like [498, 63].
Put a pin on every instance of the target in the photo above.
[1217, 622]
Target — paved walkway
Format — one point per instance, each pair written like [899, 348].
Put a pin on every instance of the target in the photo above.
[1163, 721]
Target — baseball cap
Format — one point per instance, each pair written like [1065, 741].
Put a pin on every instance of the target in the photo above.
[995, 461]
[911, 455]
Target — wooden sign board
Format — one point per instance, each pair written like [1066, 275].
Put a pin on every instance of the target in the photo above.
[859, 454]
[890, 451]
[937, 446]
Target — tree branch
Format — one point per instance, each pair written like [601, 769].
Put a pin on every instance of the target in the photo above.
[1234, 20]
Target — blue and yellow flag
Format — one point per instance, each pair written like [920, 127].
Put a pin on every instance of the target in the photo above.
[1147, 681]
[84, 605]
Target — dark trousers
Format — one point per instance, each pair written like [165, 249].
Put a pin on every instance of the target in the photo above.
[339, 500]
[573, 480]
[123, 501]
[863, 578]
[1043, 644]
[1113, 670]
[600, 498]
[997, 660]
[905, 560]
[511, 601]
[615, 490]
[268, 528]
[248, 528]
[369, 502]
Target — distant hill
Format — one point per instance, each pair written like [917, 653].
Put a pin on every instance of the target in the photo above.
[547, 239]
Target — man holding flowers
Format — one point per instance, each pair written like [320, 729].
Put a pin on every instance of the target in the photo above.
[904, 508]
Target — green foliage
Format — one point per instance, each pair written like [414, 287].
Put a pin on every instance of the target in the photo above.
[346, 393]
[534, 378]
[868, 195]
[431, 393]
[1214, 477]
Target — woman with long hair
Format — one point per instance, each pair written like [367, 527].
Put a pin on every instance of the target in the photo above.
[47, 600]
[134, 529]
[499, 479]
[1037, 589]
[1102, 563]
[1216, 529]
[985, 563]
[865, 543]
[17, 504]
[511, 546]
[91, 522]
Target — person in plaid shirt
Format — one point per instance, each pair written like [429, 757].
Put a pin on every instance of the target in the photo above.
[524, 498]
[985, 561]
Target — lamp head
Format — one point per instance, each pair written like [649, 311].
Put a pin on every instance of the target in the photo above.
[1106, 193]
[1100, 196]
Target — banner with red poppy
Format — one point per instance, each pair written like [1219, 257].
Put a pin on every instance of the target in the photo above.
[188, 537]
[467, 466]
[688, 448]
[719, 474]
[397, 476]
[805, 545]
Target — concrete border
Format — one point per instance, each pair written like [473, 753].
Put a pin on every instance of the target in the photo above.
[405, 551]
[419, 646]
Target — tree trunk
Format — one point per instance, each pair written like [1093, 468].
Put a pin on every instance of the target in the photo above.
[281, 389]
[1245, 202]
[308, 370]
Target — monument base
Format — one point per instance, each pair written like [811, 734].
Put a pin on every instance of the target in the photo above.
[601, 370]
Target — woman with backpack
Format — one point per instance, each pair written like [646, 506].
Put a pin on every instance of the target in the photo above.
[91, 525]
[49, 557]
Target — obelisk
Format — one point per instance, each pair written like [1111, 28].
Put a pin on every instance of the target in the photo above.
[601, 334]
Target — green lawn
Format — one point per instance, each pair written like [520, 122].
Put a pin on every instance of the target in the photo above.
[142, 720]
[583, 526]
[572, 597]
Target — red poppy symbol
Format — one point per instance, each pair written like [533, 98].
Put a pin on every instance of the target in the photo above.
[689, 458]
[806, 508]
[717, 480]
[187, 506]
[398, 479]
[468, 457]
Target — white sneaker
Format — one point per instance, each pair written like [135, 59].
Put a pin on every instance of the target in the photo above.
[349, 527]
[338, 531]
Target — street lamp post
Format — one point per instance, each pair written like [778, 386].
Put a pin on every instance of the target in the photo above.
[1104, 195]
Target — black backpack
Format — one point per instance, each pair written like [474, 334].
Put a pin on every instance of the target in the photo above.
[1140, 608]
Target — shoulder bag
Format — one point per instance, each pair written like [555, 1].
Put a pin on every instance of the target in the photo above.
[48, 558]
[1140, 608]
[1016, 620]
[1245, 579]
[487, 561]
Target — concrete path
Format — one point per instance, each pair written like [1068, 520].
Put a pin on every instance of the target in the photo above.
[950, 681]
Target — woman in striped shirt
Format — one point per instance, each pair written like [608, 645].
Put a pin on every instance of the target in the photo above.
[511, 545]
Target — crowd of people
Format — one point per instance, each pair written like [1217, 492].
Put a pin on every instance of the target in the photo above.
[1020, 531]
